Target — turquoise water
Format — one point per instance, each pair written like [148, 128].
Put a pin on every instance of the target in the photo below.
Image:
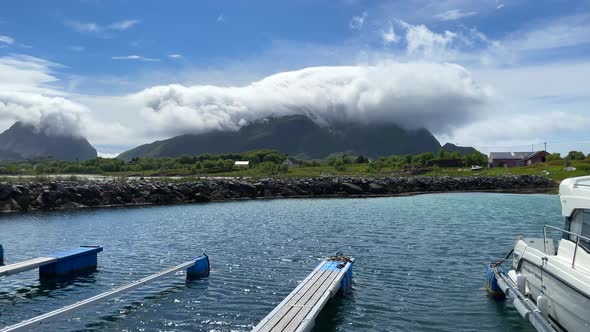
[420, 261]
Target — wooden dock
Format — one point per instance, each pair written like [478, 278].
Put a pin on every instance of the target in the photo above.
[297, 312]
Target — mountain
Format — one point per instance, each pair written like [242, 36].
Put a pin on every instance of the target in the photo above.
[297, 136]
[463, 150]
[22, 142]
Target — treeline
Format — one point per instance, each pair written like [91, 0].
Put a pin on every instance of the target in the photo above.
[572, 155]
[205, 163]
[261, 162]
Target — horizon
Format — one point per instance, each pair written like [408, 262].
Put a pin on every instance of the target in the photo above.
[494, 75]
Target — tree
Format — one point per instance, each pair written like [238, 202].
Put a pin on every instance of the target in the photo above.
[339, 165]
[275, 157]
[567, 162]
[475, 158]
[423, 158]
[267, 167]
[576, 155]
[185, 159]
[554, 156]
[361, 160]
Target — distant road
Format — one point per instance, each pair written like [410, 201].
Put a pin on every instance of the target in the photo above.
[106, 178]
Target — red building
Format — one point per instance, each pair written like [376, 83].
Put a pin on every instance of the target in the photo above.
[512, 159]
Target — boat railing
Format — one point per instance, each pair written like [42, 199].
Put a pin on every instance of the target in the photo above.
[578, 237]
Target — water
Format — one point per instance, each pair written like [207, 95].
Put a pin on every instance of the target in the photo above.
[420, 261]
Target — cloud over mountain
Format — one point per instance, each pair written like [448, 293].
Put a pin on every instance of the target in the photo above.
[438, 97]
[55, 116]
[27, 95]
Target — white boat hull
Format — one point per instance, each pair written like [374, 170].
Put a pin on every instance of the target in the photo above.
[566, 289]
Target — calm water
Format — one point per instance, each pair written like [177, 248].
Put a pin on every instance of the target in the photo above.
[419, 265]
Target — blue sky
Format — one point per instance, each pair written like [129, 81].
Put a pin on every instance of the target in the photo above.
[97, 68]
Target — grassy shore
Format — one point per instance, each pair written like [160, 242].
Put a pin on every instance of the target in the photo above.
[553, 170]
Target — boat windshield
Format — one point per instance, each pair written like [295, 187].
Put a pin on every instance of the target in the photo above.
[579, 223]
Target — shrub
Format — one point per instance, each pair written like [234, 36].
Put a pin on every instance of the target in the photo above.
[339, 165]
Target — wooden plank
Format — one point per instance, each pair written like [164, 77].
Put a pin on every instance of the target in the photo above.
[309, 320]
[317, 278]
[25, 266]
[299, 309]
[265, 320]
[295, 306]
[307, 304]
[292, 298]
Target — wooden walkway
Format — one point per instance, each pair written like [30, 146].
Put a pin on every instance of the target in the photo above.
[297, 312]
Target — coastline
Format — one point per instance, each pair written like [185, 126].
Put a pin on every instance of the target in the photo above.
[51, 195]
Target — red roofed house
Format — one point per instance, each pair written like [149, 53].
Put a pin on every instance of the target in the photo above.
[512, 159]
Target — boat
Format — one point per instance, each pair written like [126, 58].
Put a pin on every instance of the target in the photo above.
[476, 168]
[549, 283]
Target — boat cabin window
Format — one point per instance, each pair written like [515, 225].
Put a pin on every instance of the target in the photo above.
[579, 223]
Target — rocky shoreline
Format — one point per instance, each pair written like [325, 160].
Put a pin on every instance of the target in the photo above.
[64, 195]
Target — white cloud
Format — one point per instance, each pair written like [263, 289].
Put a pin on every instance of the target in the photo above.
[107, 154]
[77, 48]
[421, 40]
[414, 95]
[220, 18]
[562, 32]
[357, 22]
[389, 36]
[84, 27]
[27, 94]
[175, 56]
[122, 25]
[134, 57]
[91, 27]
[52, 115]
[6, 40]
[500, 6]
[22, 73]
[453, 14]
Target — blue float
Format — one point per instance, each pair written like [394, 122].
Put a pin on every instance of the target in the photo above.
[492, 282]
[200, 269]
[71, 261]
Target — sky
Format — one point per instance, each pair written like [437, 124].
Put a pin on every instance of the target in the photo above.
[496, 75]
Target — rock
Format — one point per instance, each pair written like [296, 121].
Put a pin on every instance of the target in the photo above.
[375, 188]
[200, 198]
[71, 206]
[351, 188]
[76, 194]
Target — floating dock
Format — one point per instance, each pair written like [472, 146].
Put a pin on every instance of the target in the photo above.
[58, 264]
[298, 311]
[195, 268]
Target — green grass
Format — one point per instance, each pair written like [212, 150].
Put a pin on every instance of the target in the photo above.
[555, 171]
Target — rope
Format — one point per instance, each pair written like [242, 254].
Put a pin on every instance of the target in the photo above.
[339, 257]
[498, 263]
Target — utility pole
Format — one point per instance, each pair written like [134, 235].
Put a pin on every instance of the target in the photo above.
[545, 146]
[532, 147]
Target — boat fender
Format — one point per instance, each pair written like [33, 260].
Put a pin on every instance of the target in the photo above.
[521, 283]
[543, 305]
[521, 308]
